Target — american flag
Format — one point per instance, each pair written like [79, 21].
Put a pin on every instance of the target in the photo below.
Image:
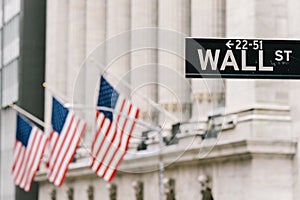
[29, 149]
[64, 139]
[113, 132]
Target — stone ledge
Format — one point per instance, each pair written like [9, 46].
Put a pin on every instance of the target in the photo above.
[142, 162]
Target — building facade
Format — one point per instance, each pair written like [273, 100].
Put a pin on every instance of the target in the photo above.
[237, 137]
[22, 36]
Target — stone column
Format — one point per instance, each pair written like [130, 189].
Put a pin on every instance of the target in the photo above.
[241, 21]
[76, 50]
[57, 44]
[294, 32]
[117, 55]
[56, 51]
[207, 20]
[262, 19]
[95, 37]
[173, 92]
[143, 61]
[95, 24]
[76, 80]
[256, 19]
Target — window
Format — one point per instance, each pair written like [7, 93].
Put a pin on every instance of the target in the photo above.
[0, 87]
[11, 8]
[1, 14]
[11, 40]
[0, 47]
[10, 83]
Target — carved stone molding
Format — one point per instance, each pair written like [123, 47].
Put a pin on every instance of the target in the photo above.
[209, 97]
[205, 187]
[53, 194]
[138, 187]
[175, 107]
[112, 191]
[70, 193]
[90, 192]
[169, 185]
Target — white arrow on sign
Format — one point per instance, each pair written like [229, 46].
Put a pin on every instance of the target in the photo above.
[229, 44]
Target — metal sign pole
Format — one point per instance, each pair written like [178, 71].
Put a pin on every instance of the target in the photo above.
[161, 168]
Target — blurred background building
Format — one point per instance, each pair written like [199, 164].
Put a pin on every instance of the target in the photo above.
[22, 61]
[237, 138]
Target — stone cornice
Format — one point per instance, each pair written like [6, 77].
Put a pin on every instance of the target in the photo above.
[205, 152]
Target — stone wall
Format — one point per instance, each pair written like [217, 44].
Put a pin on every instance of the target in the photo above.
[255, 155]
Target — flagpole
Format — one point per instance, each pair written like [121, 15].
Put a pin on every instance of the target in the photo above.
[151, 102]
[161, 143]
[161, 168]
[138, 121]
[32, 118]
[155, 128]
[27, 114]
[59, 96]
[81, 106]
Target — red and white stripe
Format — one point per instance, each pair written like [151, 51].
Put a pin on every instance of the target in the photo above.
[27, 159]
[111, 139]
[63, 146]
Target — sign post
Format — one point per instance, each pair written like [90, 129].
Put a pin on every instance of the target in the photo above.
[242, 58]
